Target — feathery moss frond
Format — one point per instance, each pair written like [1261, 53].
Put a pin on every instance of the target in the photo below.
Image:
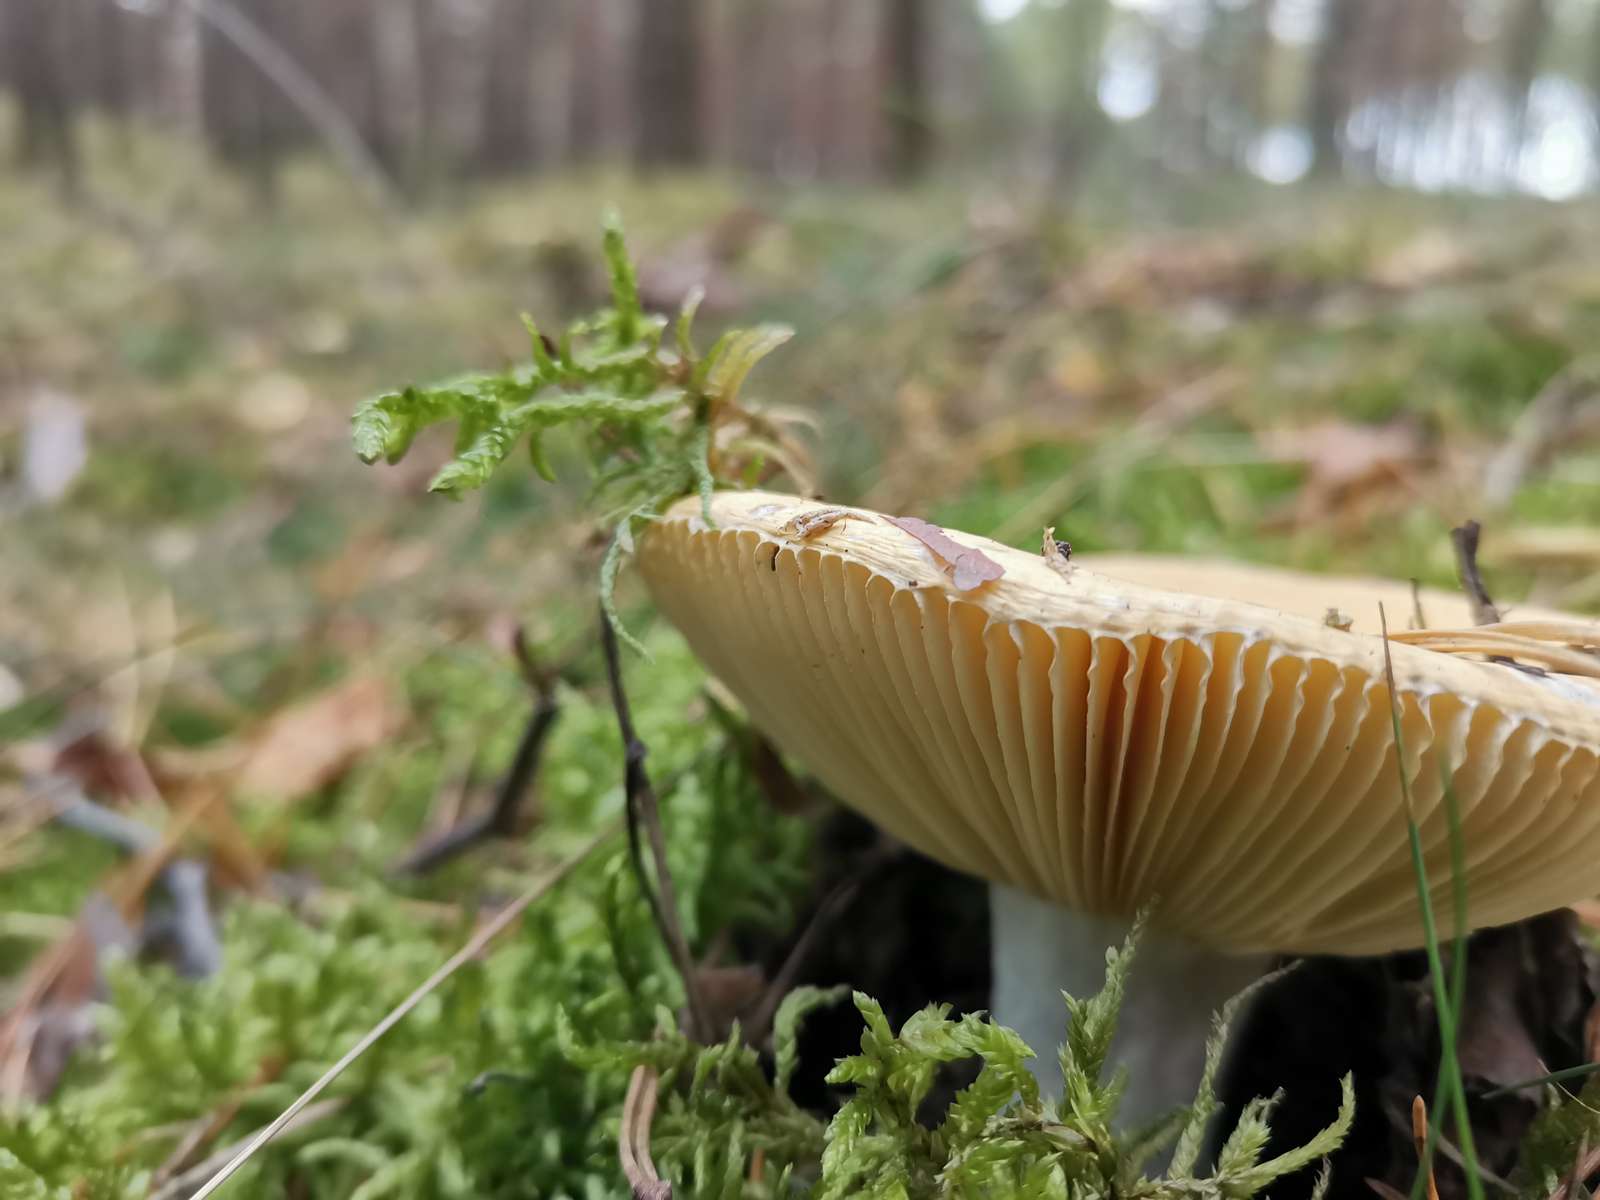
[657, 423]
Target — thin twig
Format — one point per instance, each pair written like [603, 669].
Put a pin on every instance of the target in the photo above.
[191, 927]
[304, 93]
[474, 945]
[1545, 421]
[1465, 540]
[828, 910]
[644, 810]
[501, 819]
[633, 1146]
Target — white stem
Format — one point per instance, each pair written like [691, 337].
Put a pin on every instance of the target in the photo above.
[1175, 988]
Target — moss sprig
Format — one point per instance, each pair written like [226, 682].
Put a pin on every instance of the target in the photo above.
[657, 419]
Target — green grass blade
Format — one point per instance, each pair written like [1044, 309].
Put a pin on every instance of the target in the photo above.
[1451, 1090]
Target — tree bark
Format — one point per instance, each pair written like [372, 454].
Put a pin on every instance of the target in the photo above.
[1525, 38]
[1080, 122]
[586, 81]
[183, 72]
[909, 127]
[666, 73]
[36, 35]
[1329, 98]
[398, 126]
[506, 135]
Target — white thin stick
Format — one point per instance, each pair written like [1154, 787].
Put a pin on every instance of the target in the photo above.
[305, 93]
[467, 952]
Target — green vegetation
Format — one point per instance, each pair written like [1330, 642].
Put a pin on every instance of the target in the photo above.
[1079, 374]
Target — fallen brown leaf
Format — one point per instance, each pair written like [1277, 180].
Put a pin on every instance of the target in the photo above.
[1343, 459]
[309, 745]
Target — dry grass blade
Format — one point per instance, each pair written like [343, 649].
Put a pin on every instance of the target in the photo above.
[179, 1186]
[1498, 641]
[633, 1146]
[208, 1127]
[1584, 1164]
[486, 933]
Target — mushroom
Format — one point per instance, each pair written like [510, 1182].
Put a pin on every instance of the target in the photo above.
[1199, 741]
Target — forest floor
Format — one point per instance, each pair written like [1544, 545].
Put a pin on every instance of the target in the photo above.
[216, 623]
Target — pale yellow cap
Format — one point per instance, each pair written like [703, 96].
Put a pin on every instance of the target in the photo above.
[1137, 730]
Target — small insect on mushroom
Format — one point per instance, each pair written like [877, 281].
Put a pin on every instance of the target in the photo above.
[1183, 738]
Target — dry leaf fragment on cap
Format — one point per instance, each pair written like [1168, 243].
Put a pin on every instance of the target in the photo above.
[1182, 737]
[1057, 553]
[809, 525]
[967, 567]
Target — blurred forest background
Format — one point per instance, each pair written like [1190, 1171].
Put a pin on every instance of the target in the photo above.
[414, 96]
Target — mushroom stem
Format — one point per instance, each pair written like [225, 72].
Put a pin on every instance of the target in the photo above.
[1175, 988]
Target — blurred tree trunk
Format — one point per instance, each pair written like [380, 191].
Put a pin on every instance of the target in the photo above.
[35, 37]
[1238, 50]
[1080, 124]
[183, 72]
[909, 127]
[594, 94]
[666, 74]
[398, 134]
[239, 108]
[754, 33]
[113, 84]
[1329, 84]
[1594, 77]
[506, 133]
[1526, 33]
[962, 84]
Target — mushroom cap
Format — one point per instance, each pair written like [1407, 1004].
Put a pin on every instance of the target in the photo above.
[1140, 732]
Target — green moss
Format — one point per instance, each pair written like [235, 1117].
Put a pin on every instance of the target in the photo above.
[148, 479]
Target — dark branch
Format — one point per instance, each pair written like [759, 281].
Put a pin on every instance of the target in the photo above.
[1465, 540]
[828, 909]
[643, 811]
[502, 818]
[188, 926]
